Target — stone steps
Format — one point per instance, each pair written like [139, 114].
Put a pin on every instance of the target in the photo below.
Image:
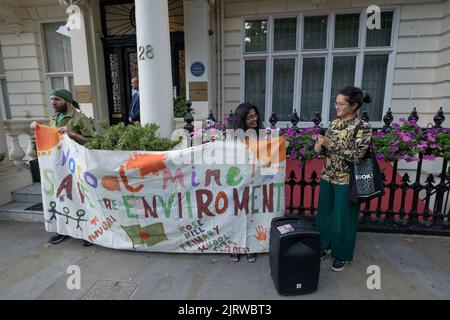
[26, 205]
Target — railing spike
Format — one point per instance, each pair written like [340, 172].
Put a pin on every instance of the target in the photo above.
[439, 118]
[295, 119]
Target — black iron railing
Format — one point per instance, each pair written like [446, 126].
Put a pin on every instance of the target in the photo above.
[429, 212]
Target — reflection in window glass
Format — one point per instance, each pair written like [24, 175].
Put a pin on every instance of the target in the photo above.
[255, 36]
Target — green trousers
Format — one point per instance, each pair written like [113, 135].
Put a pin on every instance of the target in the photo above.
[337, 220]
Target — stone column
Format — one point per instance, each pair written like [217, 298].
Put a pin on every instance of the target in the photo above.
[155, 69]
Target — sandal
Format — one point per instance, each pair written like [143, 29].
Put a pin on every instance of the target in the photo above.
[251, 257]
[234, 257]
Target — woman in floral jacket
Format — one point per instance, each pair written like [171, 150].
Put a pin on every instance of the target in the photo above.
[337, 219]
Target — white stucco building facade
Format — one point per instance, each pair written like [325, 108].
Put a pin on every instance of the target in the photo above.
[281, 55]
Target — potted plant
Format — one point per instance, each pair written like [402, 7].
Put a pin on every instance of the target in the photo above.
[400, 142]
[435, 143]
[300, 143]
[131, 138]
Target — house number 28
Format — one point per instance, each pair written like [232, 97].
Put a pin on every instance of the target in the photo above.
[146, 52]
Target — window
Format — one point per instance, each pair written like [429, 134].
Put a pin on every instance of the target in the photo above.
[4, 101]
[374, 77]
[256, 36]
[312, 87]
[343, 73]
[304, 60]
[315, 34]
[58, 56]
[346, 31]
[283, 87]
[255, 83]
[285, 37]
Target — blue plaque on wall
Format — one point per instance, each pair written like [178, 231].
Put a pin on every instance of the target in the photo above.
[197, 69]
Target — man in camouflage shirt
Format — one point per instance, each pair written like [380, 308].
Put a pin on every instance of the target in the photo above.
[69, 120]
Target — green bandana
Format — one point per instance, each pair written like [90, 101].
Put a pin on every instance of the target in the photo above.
[66, 95]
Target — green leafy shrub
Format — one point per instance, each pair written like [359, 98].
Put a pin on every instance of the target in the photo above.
[179, 107]
[131, 138]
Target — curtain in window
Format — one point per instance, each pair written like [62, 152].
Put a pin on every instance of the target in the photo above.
[283, 88]
[57, 47]
[343, 76]
[374, 81]
[346, 34]
[255, 84]
[312, 87]
[285, 34]
[57, 82]
[315, 32]
[381, 37]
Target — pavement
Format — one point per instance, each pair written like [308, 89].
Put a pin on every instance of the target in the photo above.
[411, 267]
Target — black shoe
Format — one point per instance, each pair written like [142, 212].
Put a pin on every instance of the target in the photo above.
[323, 254]
[251, 257]
[86, 243]
[338, 265]
[234, 257]
[57, 238]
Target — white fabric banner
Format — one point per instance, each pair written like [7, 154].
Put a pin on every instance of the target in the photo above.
[205, 199]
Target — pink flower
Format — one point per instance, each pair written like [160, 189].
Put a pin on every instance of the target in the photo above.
[431, 137]
[406, 138]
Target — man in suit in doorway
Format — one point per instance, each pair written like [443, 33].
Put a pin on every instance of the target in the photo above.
[134, 107]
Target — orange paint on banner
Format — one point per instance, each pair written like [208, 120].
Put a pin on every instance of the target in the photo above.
[147, 163]
[111, 183]
[266, 150]
[46, 139]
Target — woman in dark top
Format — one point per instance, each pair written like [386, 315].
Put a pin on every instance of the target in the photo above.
[337, 219]
[247, 117]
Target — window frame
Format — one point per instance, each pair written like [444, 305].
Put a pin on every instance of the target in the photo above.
[49, 75]
[329, 53]
[4, 101]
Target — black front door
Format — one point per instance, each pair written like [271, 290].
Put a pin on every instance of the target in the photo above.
[119, 44]
[121, 67]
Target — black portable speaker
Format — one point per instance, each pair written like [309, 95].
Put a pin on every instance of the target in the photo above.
[294, 256]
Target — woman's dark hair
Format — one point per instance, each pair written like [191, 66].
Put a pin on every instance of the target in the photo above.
[355, 95]
[241, 113]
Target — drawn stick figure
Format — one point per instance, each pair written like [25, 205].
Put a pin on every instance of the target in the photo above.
[80, 214]
[66, 214]
[53, 210]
